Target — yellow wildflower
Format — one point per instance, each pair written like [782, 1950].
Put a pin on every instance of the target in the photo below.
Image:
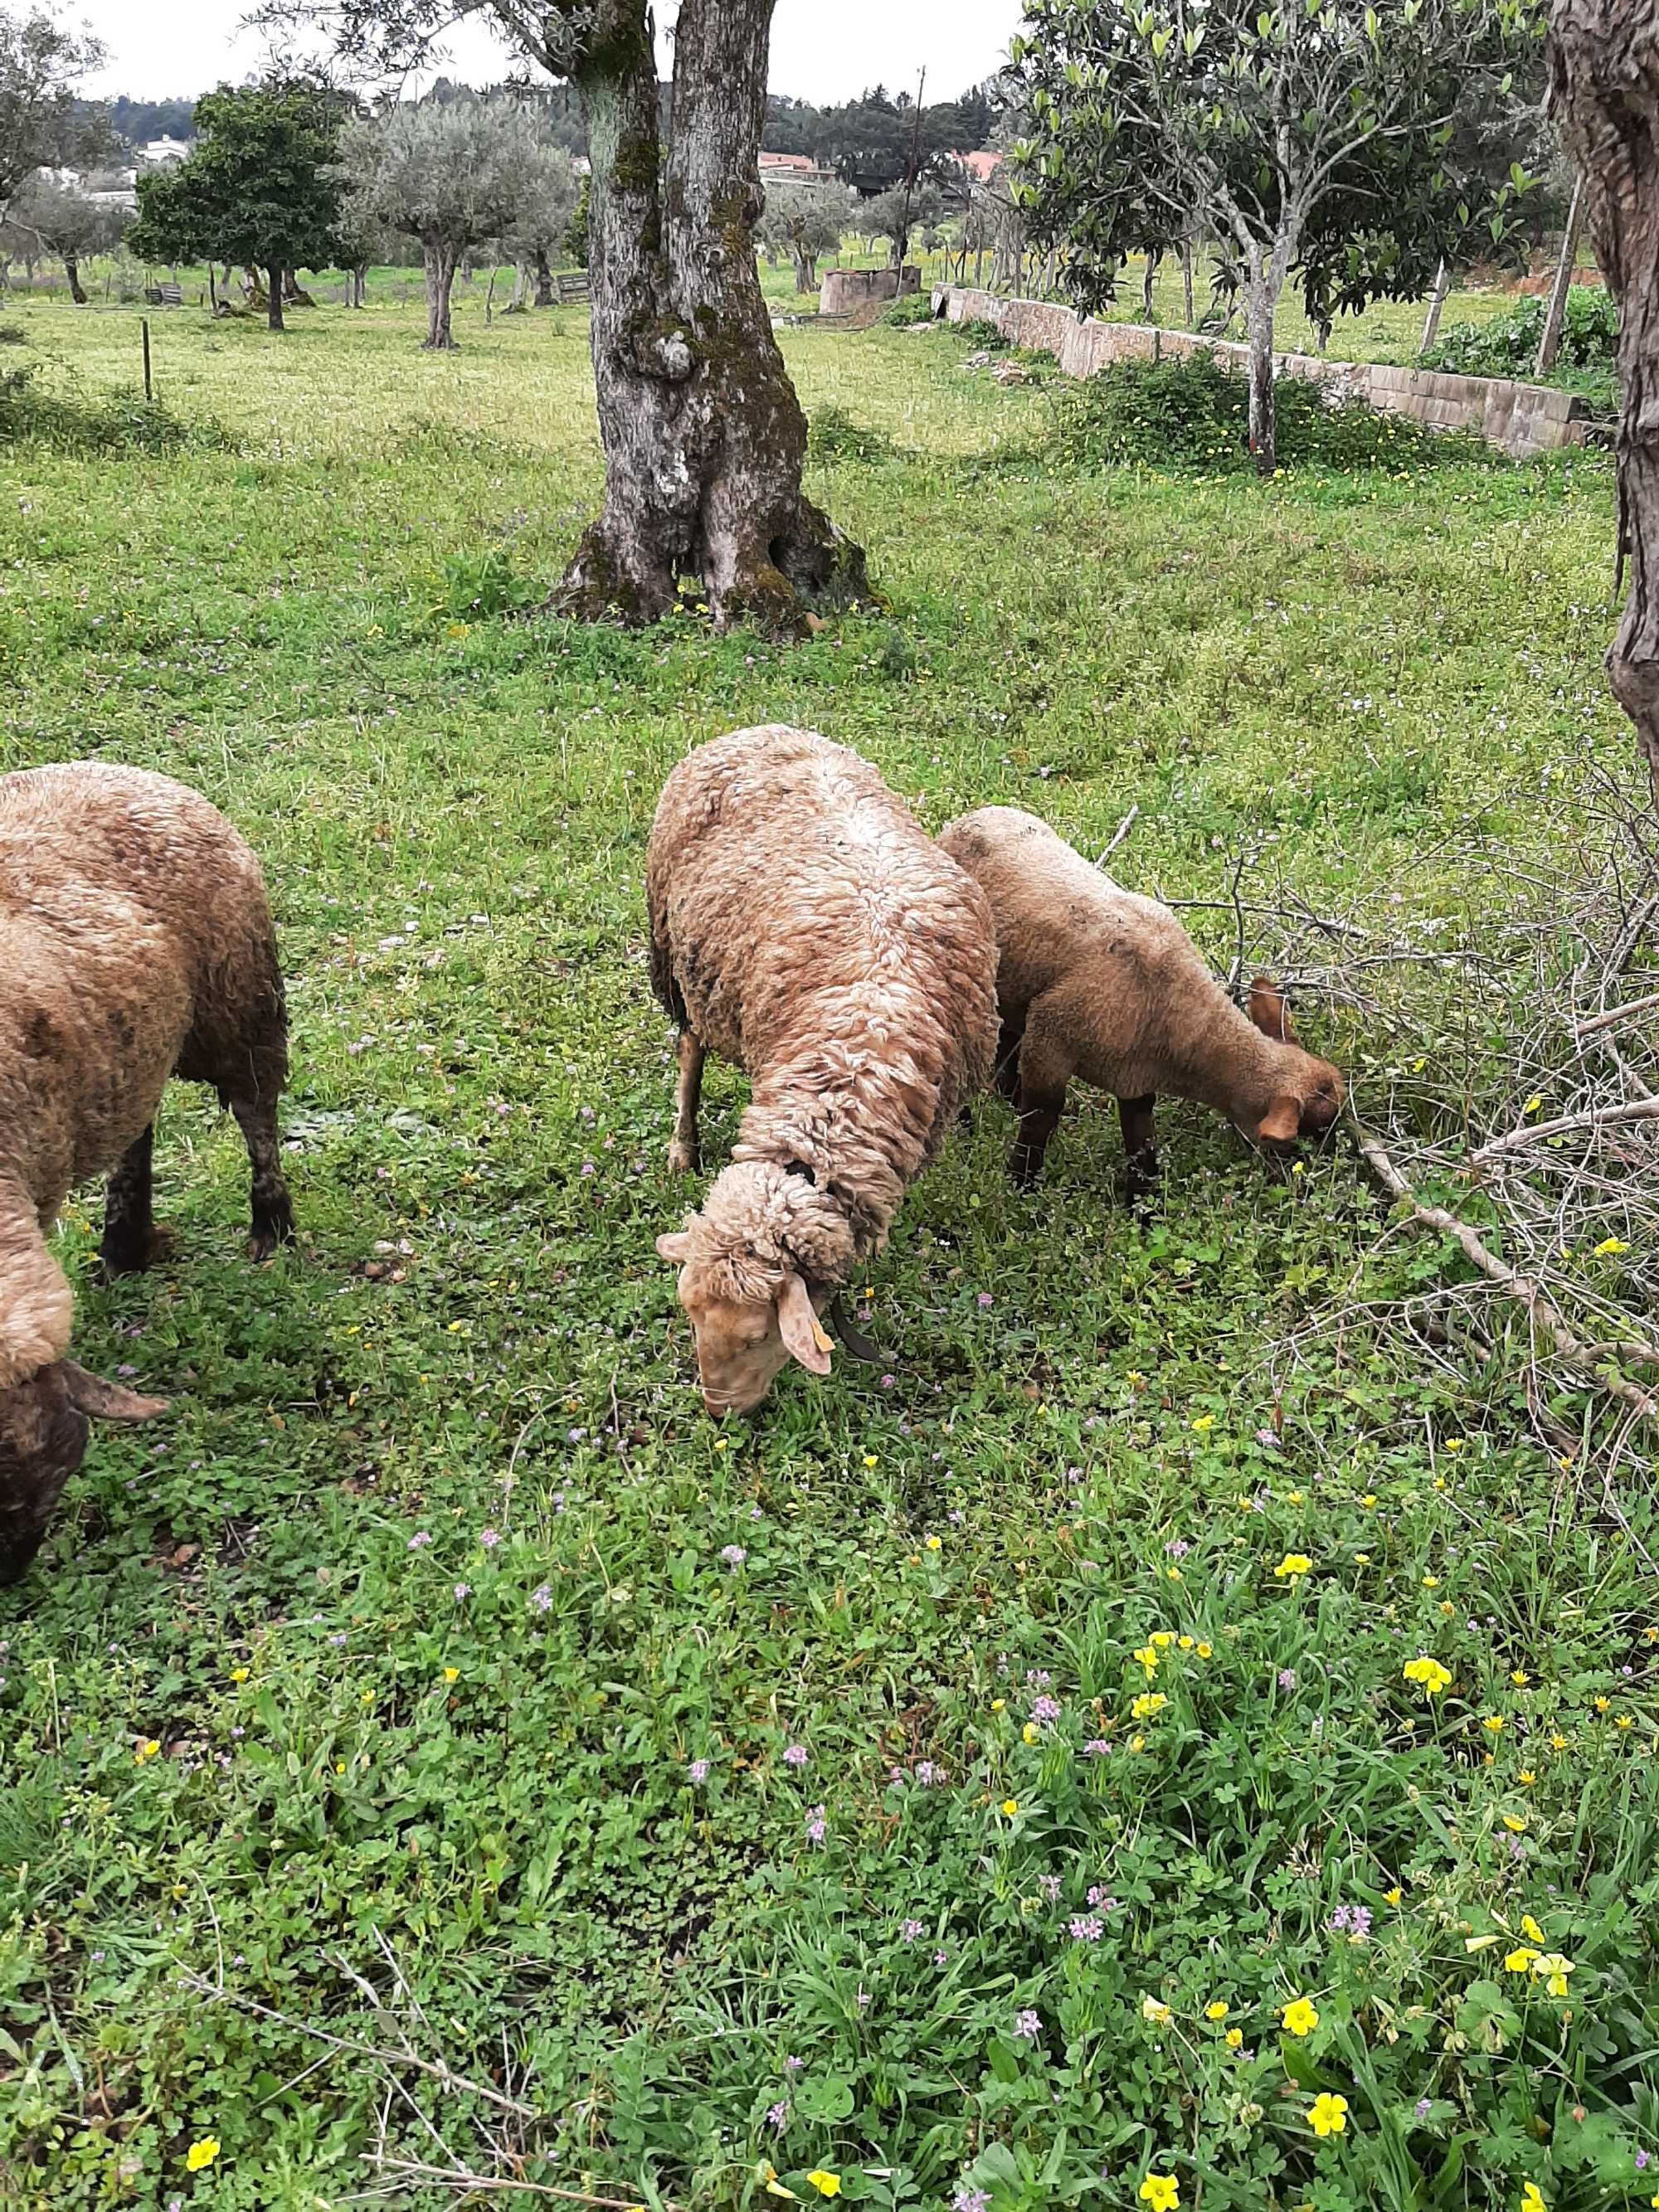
[1154, 2009]
[1009, 1809]
[1217, 2010]
[1557, 1742]
[1300, 2017]
[1430, 1673]
[1601, 1704]
[1163, 1637]
[1622, 1721]
[1515, 1824]
[935, 1543]
[1532, 1104]
[1203, 1423]
[1453, 1444]
[1031, 1732]
[1521, 1960]
[1235, 2038]
[1526, 1777]
[1530, 1929]
[1329, 2116]
[1293, 1564]
[1137, 1743]
[1492, 1722]
[1148, 1658]
[201, 2153]
[869, 1460]
[1611, 1247]
[1205, 1651]
[997, 1704]
[1533, 2198]
[1134, 1378]
[148, 1747]
[1431, 1582]
[239, 1674]
[1393, 1896]
[827, 2185]
[1553, 1969]
[451, 1674]
[1162, 2191]
[1148, 1703]
[1294, 1497]
[1519, 1676]
[1369, 1501]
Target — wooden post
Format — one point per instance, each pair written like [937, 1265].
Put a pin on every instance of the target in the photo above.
[1550, 345]
[144, 325]
[1437, 302]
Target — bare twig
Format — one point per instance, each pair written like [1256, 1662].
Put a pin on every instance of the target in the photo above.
[1120, 834]
[1599, 1117]
[1611, 1014]
[1522, 1288]
[481, 2184]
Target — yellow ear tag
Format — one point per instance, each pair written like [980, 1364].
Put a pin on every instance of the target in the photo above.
[823, 1343]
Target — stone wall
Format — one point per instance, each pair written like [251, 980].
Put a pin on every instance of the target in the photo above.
[1522, 418]
[844, 289]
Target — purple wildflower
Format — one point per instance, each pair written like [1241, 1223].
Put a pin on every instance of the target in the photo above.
[734, 1555]
[1050, 1885]
[1287, 1678]
[927, 1773]
[1641, 2160]
[1359, 1922]
[777, 2116]
[1046, 1709]
[1096, 1748]
[1422, 2108]
[794, 2065]
[419, 1540]
[939, 1957]
[864, 1999]
[697, 1771]
[1178, 1549]
[986, 1300]
[490, 1538]
[1028, 2024]
[1100, 1896]
[1087, 1928]
[1037, 1677]
[794, 1754]
[462, 1590]
[970, 2200]
[815, 1825]
[911, 1930]
[1339, 1922]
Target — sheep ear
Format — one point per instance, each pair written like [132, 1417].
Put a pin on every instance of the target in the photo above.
[107, 1401]
[1269, 1012]
[803, 1336]
[1282, 1122]
[676, 1250]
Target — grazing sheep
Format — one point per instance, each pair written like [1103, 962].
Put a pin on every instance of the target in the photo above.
[1096, 982]
[806, 927]
[136, 943]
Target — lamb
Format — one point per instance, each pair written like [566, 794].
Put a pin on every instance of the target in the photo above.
[136, 943]
[804, 926]
[1097, 982]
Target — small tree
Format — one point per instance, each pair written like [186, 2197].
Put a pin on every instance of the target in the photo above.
[805, 221]
[894, 215]
[41, 121]
[450, 174]
[69, 225]
[256, 188]
[536, 234]
[1314, 135]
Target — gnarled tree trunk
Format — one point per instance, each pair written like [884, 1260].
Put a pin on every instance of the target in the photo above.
[441, 260]
[703, 436]
[1604, 92]
[274, 298]
[72, 271]
[545, 295]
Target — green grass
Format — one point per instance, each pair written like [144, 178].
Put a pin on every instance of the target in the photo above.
[425, 1591]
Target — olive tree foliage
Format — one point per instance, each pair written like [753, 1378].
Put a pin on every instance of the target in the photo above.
[68, 224]
[1604, 92]
[704, 439]
[548, 190]
[893, 215]
[40, 124]
[1313, 137]
[805, 221]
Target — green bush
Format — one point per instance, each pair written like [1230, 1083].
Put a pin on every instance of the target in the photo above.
[833, 435]
[122, 422]
[983, 336]
[913, 308]
[1193, 414]
[1508, 345]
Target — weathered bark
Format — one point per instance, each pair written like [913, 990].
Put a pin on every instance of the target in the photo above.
[72, 271]
[441, 260]
[1259, 301]
[546, 294]
[273, 295]
[523, 278]
[1187, 279]
[806, 270]
[1437, 302]
[1550, 344]
[357, 285]
[703, 436]
[1148, 278]
[1604, 92]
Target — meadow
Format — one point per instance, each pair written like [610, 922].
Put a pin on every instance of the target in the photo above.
[1169, 1735]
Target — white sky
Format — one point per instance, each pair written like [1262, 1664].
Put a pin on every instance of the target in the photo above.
[823, 51]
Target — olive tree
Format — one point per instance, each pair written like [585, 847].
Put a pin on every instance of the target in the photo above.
[1604, 92]
[805, 221]
[704, 438]
[1310, 137]
[41, 121]
[547, 194]
[69, 225]
[449, 173]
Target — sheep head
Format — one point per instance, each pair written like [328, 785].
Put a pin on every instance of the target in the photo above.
[46, 1402]
[756, 1265]
[1307, 1091]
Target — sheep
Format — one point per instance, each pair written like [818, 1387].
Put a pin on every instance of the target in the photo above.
[1097, 982]
[806, 927]
[136, 943]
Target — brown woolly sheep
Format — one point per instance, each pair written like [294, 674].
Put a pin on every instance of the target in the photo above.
[804, 926]
[1097, 982]
[136, 943]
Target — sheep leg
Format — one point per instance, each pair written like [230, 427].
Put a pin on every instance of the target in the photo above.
[1140, 1146]
[1039, 1117]
[272, 1207]
[131, 1240]
[685, 1154]
[1009, 1041]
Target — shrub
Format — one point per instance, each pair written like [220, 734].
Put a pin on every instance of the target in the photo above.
[68, 423]
[1194, 414]
[981, 335]
[914, 308]
[1508, 345]
[476, 587]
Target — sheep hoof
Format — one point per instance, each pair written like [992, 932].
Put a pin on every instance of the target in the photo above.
[124, 1256]
[684, 1159]
[268, 1235]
